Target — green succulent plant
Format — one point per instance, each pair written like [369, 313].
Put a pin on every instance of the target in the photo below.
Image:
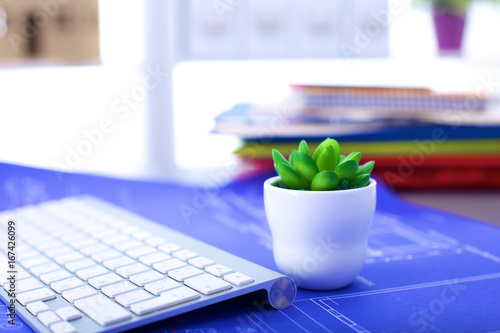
[324, 170]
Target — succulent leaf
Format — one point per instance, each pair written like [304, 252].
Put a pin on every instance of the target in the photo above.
[360, 181]
[341, 158]
[327, 160]
[325, 181]
[292, 156]
[277, 159]
[346, 170]
[354, 156]
[303, 148]
[327, 142]
[291, 178]
[365, 168]
[305, 166]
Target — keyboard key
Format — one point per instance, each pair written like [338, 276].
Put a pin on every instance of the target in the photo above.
[118, 262]
[62, 327]
[207, 284]
[105, 255]
[116, 239]
[117, 223]
[67, 284]
[26, 285]
[156, 288]
[48, 317]
[88, 250]
[218, 270]
[48, 244]
[133, 297]
[153, 258]
[141, 235]
[123, 246]
[103, 310]
[22, 274]
[42, 294]
[201, 262]
[92, 229]
[58, 251]
[28, 254]
[168, 265]
[165, 300]
[88, 273]
[28, 263]
[127, 271]
[130, 229]
[24, 248]
[83, 242]
[37, 307]
[42, 239]
[184, 255]
[68, 313]
[67, 234]
[106, 233]
[146, 277]
[184, 273]
[44, 268]
[118, 289]
[55, 276]
[78, 293]
[79, 264]
[104, 280]
[68, 257]
[136, 252]
[169, 247]
[155, 241]
[238, 279]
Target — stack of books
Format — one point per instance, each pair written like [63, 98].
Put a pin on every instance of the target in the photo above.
[419, 138]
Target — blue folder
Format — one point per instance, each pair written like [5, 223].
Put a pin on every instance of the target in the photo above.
[426, 270]
[378, 129]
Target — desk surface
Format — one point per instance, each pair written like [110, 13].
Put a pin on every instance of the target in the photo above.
[479, 205]
[426, 271]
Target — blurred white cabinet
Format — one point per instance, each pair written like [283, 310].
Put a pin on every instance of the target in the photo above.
[264, 29]
[209, 33]
[318, 29]
[370, 33]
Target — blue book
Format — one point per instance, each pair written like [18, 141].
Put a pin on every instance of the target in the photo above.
[254, 123]
[403, 133]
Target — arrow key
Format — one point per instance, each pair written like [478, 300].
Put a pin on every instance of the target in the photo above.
[207, 284]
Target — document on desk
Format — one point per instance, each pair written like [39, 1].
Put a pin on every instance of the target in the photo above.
[426, 271]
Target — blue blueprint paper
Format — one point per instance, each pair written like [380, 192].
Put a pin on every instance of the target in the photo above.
[426, 271]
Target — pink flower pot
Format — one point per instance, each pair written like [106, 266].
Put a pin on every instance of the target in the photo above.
[449, 25]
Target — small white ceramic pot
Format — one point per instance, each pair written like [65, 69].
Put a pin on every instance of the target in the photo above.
[320, 237]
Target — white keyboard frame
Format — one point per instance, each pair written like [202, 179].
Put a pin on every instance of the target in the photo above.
[269, 286]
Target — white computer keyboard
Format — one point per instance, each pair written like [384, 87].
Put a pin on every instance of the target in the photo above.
[83, 265]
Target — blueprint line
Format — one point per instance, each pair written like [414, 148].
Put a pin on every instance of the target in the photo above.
[314, 320]
[339, 316]
[260, 322]
[293, 321]
[414, 286]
